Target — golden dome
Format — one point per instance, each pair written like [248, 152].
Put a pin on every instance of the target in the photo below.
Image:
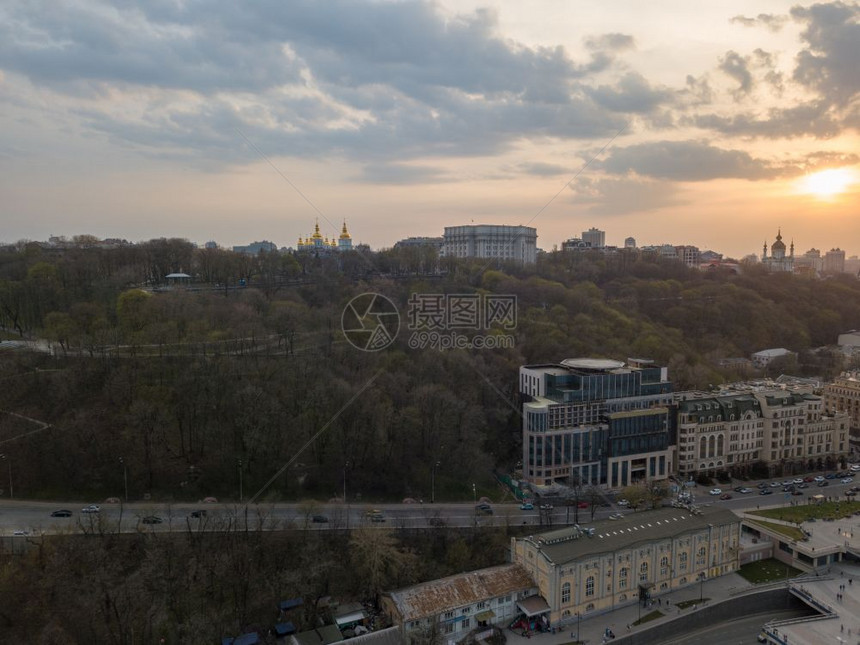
[344, 234]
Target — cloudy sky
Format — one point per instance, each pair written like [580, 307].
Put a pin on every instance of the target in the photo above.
[672, 121]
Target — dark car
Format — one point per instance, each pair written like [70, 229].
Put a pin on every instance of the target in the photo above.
[377, 517]
[438, 522]
[198, 513]
[766, 491]
[152, 519]
[319, 519]
[830, 476]
[61, 513]
[483, 509]
[824, 483]
[797, 492]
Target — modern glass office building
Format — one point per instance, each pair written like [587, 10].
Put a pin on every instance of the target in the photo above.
[596, 421]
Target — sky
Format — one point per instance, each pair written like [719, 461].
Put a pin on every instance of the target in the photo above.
[714, 124]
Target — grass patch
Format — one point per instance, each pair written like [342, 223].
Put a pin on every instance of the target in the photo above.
[647, 618]
[768, 570]
[822, 511]
[788, 531]
[690, 603]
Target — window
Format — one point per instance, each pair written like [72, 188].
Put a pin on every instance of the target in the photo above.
[700, 556]
[683, 561]
[664, 565]
[466, 610]
[565, 593]
[622, 579]
[466, 623]
[643, 572]
[449, 615]
[589, 586]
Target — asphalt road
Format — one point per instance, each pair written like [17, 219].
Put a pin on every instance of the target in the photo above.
[35, 517]
[743, 631]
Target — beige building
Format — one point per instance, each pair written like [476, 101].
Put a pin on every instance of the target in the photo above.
[780, 427]
[843, 395]
[615, 563]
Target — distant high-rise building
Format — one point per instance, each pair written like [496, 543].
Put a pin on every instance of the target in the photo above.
[834, 261]
[515, 243]
[689, 255]
[255, 248]
[574, 244]
[595, 238]
[630, 243]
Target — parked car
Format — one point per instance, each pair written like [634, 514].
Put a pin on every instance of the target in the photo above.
[436, 521]
[830, 476]
[21, 532]
[527, 506]
[847, 480]
[483, 509]
[582, 505]
[818, 479]
[775, 484]
[798, 480]
[745, 490]
[850, 493]
[616, 516]
[824, 483]
[199, 513]
[766, 491]
[716, 491]
[152, 519]
[809, 479]
[319, 519]
[62, 513]
[803, 485]
[726, 496]
[377, 517]
[797, 492]
[623, 502]
[92, 508]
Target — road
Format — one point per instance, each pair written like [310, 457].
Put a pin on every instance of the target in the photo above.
[35, 517]
[743, 631]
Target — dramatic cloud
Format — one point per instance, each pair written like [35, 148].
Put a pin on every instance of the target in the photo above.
[736, 66]
[829, 64]
[689, 161]
[813, 118]
[772, 22]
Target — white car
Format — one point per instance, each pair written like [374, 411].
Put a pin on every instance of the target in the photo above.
[716, 491]
[623, 502]
[92, 508]
[20, 532]
[798, 480]
[819, 479]
[847, 480]
[616, 516]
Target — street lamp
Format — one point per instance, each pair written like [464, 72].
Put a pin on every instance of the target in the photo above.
[433, 482]
[241, 491]
[475, 493]
[578, 620]
[9, 462]
[124, 477]
[701, 587]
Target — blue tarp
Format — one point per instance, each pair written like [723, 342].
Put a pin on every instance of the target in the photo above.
[285, 629]
[247, 639]
[286, 605]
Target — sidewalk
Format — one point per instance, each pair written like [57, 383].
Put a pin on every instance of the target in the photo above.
[592, 628]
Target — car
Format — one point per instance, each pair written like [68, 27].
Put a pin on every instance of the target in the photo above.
[438, 522]
[527, 506]
[797, 492]
[745, 490]
[482, 509]
[809, 479]
[846, 480]
[377, 517]
[726, 496]
[766, 491]
[716, 491]
[850, 493]
[856, 489]
[151, 519]
[738, 489]
[582, 505]
[62, 513]
[788, 482]
[803, 485]
[372, 512]
[830, 476]
[818, 479]
[546, 507]
[20, 532]
[319, 519]
[616, 516]
[798, 480]
[775, 484]
[199, 513]
[92, 508]
[824, 483]
[623, 502]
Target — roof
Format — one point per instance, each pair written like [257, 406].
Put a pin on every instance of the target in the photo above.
[390, 636]
[570, 543]
[286, 605]
[777, 351]
[437, 596]
[319, 636]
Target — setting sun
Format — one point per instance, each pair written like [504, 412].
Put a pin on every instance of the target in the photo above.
[828, 183]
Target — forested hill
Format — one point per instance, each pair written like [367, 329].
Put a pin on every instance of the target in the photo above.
[186, 384]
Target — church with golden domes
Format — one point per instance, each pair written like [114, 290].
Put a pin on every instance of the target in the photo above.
[778, 261]
[320, 244]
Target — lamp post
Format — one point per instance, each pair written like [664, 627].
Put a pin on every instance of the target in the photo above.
[578, 620]
[701, 587]
[241, 490]
[8, 460]
[433, 482]
[475, 493]
[124, 477]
